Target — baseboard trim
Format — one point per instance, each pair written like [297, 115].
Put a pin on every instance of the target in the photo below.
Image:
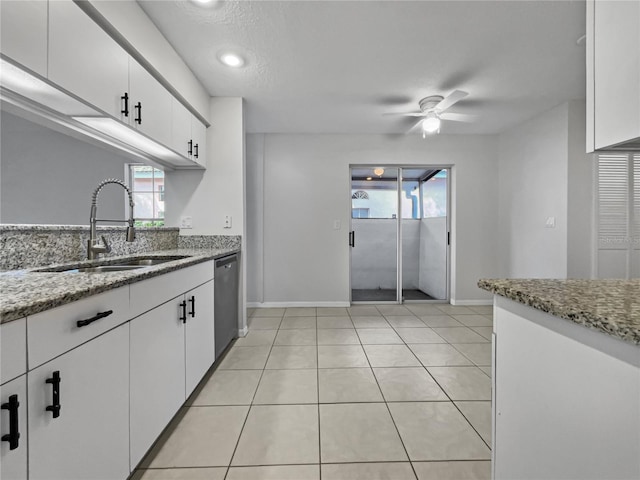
[296, 304]
[470, 303]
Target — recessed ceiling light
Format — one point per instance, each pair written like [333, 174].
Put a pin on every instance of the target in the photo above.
[231, 59]
[205, 2]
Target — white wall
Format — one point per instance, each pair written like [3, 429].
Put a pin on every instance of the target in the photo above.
[433, 257]
[544, 173]
[306, 187]
[47, 177]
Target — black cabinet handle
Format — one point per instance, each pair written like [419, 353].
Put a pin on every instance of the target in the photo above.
[125, 104]
[84, 323]
[14, 431]
[195, 153]
[192, 300]
[190, 147]
[183, 307]
[352, 238]
[138, 108]
[55, 383]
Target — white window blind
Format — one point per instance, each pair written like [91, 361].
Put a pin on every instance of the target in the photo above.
[618, 212]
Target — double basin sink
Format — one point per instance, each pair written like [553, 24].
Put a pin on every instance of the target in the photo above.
[112, 265]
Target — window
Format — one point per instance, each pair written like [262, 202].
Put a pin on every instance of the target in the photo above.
[359, 213]
[618, 215]
[434, 196]
[147, 185]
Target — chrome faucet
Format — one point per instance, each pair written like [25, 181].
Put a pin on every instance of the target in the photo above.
[94, 247]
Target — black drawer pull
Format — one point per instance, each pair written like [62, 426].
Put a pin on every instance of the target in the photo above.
[190, 147]
[55, 383]
[195, 154]
[192, 300]
[84, 323]
[183, 307]
[138, 118]
[125, 105]
[14, 432]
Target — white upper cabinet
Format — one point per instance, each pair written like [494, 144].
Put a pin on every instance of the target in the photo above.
[613, 73]
[23, 33]
[149, 104]
[86, 61]
[189, 135]
[199, 135]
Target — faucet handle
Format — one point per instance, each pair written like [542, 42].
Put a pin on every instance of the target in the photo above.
[107, 247]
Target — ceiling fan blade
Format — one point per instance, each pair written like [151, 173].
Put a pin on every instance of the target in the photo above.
[416, 127]
[405, 114]
[450, 99]
[458, 117]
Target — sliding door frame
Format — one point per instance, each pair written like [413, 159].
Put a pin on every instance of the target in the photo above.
[399, 264]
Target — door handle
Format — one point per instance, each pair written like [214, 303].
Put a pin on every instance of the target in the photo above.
[192, 300]
[14, 431]
[352, 238]
[138, 119]
[55, 383]
[183, 307]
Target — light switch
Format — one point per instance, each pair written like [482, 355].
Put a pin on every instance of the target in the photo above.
[227, 221]
[551, 222]
[186, 222]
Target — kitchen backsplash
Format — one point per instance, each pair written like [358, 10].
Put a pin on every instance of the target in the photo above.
[209, 241]
[30, 246]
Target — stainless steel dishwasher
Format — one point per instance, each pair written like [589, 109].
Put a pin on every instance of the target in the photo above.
[225, 301]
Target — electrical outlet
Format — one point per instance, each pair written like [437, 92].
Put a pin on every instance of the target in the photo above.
[551, 222]
[186, 222]
[227, 221]
[336, 224]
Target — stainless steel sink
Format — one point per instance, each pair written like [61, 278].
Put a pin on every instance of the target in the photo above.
[103, 269]
[110, 265]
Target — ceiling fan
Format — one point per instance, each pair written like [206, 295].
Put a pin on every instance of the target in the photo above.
[433, 111]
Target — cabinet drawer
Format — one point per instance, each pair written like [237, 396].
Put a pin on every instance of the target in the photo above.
[56, 331]
[13, 349]
[150, 293]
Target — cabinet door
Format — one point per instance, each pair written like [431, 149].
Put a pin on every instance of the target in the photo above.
[89, 438]
[24, 33]
[157, 374]
[616, 72]
[199, 134]
[84, 60]
[199, 341]
[150, 104]
[181, 129]
[13, 463]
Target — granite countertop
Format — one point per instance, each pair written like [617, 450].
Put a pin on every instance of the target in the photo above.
[27, 292]
[611, 306]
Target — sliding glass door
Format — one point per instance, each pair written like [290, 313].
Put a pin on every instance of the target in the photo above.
[399, 234]
[374, 234]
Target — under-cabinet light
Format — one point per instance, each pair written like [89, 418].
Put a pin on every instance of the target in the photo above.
[129, 136]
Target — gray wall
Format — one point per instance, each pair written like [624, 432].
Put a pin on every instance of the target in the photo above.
[47, 177]
[298, 186]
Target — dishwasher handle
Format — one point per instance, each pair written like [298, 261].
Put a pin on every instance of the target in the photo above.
[227, 262]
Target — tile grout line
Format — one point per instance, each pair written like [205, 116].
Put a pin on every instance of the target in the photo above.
[250, 406]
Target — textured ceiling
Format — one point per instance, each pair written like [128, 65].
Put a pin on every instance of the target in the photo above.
[337, 66]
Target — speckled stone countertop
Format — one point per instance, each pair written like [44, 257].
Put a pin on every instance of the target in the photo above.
[27, 292]
[611, 306]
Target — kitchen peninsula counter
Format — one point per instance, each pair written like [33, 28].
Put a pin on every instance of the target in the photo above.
[610, 306]
[27, 292]
[566, 378]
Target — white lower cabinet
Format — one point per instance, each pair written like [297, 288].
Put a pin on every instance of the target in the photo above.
[157, 374]
[79, 412]
[199, 331]
[13, 429]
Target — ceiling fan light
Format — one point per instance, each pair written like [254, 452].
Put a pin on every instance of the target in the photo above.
[431, 123]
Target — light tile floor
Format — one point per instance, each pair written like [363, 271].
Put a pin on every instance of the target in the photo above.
[367, 392]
